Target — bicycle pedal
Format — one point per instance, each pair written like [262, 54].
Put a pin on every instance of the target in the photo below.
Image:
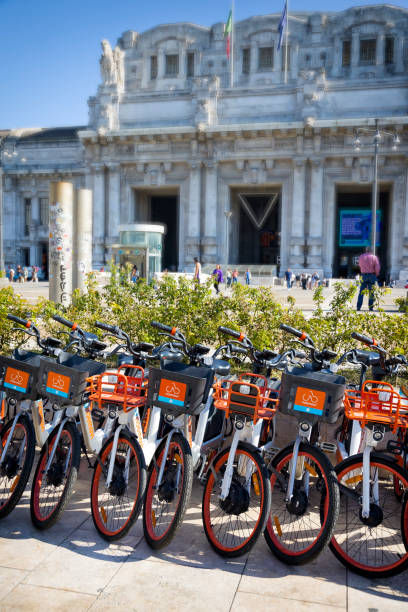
[328, 447]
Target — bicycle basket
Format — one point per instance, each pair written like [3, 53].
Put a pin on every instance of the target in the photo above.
[377, 402]
[181, 391]
[315, 395]
[18, 378]
[248, 396]
[65, 383]
[126, 392]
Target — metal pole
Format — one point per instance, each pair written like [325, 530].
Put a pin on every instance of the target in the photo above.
[374, 200]
[286, 41]
[232, 43]
[228, 215]
[1, 218]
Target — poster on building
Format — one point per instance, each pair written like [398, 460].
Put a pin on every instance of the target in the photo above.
[355, 227]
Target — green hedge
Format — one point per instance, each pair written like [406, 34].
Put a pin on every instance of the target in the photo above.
[198, 313]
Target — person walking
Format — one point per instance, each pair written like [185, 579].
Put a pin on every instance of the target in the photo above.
[235, 276]
[19, 274]
[197, 270]
[35, 274]
[370, 269]
[134, 275]
[229, 278]
[288, 278]
[11, 274]
[248, 276]
[218, 278]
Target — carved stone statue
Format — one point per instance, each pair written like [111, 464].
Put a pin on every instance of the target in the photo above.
[119, 66]
[108, 67]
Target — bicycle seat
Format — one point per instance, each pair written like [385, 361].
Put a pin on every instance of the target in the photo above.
[221, 367]
[368, 358]
[27, 356]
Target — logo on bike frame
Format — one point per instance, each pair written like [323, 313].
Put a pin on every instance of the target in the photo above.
[309, 400]
[16, 379]
[57, 384]
[172, 392]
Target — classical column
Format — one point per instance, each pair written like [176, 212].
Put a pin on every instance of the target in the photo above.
[113, 212]
[35, 210]
[183, 64]
[160, 64]
[82, 263]
[298, 214]
[193, 212]
[60, 245]
[99, 216]
[278, 62]
[294, 52]
[209, 240]
[380, 50]
[253, 60]
[405, 239]
[399, 53]
[316, 215]
[355, 51]
[337, 56]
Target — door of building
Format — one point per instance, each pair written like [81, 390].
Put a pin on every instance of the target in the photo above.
[259, 228]
[164, 209]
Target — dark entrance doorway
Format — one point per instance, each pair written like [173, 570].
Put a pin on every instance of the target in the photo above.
[259, 228]
[353, 230]
[164, 209]
[44, 260]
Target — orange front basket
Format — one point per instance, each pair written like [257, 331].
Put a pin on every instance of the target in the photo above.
[127, 392]
[377, 402]
[247, 396]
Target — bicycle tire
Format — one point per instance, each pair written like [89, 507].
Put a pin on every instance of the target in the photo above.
[235, 537]
[155, 500]
[111, 518]
[299, 530]
[361, 546]
[51, 493]
[14, 478]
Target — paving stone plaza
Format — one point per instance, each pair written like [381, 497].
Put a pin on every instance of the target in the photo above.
[267, 166]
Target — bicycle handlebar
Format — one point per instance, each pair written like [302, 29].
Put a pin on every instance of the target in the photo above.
[292, 330]
[65, 322]
[231, 332]
[24, 322]
[165, 328]
[113, 329]
[364, 339]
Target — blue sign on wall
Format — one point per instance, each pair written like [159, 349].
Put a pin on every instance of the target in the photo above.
[355, 227]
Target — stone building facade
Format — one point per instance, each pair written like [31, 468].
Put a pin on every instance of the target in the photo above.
[170, 139]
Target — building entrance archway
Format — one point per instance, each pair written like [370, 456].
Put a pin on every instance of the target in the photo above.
[161, 206]
[256, 226]
[353, 228]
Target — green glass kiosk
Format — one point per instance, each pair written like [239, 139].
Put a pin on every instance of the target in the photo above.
[140, 244]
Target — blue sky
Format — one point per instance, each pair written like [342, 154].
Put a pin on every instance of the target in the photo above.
[49, 49]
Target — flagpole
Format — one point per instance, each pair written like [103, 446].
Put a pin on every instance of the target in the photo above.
[286, 41]
[232, 44]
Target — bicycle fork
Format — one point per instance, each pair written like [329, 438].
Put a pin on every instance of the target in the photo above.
[305, 431]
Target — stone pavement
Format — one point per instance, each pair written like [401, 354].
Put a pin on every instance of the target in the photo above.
[304, 299]
[71, 566]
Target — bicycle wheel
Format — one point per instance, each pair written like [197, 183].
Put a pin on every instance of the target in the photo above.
[16, 468]
[115, 508]
[378, 545]
[165, 506]
[233, 525]
[297, 531]
[52, 489]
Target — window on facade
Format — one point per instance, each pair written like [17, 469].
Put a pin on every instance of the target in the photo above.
[284, 55]
[368, 51]
[346, 55]
[172, 65]
[246, 60]
[27, 216]
[153, 67]
[44, 211]
[265, 58]
[190, 64]
[389, 50]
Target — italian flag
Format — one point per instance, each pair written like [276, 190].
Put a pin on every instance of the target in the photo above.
[228, 31]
